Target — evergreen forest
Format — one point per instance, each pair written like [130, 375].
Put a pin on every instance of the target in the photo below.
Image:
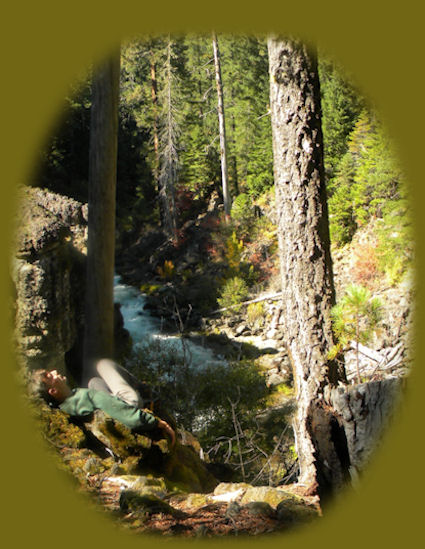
[199, 231]
[169, 131]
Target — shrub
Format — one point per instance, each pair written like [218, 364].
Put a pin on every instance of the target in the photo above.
[242, 210]
[167, 271]
[234, 248]
[217, 400]
[235, 291]
[365, 268]
[255, 314]
[196, 394]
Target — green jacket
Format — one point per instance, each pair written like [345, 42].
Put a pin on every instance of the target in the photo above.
[83, 402]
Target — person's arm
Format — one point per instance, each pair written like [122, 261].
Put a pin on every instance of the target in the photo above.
[164, 426]
[131, 416]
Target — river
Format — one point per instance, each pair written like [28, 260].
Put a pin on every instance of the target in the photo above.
[145, 329]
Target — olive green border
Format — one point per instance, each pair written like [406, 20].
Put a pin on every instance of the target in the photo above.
[45, 45]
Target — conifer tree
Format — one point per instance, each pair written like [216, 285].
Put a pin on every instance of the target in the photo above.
[222, 127]
[169, 135]
[247, 104]
[199, 154]
[304, 247]
[341, 107]
[99, 312]
[355, 318]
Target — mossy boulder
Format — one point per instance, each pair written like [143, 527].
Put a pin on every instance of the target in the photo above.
[146, 504]
[197, 500]
[260, 508]
[293, 513]
[55, 426]
[227, 488]
[184, 467]
[139, 453]
[99, 444]
[142, 485]
[272, 496]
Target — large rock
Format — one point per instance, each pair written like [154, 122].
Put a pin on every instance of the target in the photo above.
[268, 494]
[47, 271]
[139, 462]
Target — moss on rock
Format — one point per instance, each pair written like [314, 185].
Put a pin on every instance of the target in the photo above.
[55, 426]
[260, 508]
[295, 513]
[184, 467]
[225, 487]
[272, 496]
[131, 501]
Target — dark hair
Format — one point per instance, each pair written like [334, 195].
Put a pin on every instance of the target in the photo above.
[38, 387]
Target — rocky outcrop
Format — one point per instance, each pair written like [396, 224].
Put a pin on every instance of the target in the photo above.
[48, 262]
[100, 445]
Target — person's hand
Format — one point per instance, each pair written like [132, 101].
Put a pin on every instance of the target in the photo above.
[163, 425]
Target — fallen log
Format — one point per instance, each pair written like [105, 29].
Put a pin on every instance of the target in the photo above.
[271, 297]
[366, 351]
[386, 360]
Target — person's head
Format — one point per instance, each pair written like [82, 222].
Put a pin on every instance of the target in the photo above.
[49, 385]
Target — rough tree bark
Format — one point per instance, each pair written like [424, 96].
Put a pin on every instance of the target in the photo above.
[306, 268]
[99, 313]
[222, 127]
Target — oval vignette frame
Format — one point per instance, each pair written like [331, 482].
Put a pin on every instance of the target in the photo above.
[44, 50]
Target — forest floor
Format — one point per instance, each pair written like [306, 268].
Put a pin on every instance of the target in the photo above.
[211, 520]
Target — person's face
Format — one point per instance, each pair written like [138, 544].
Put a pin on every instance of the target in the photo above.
[56, 384]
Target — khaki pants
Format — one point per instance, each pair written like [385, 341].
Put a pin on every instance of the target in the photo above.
[112, 379]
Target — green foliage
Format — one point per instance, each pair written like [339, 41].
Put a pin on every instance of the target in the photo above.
[342, 224]
[395, 240]
[341, 105]
[234, 248]
[234, 292]
[246, 101]
[242, 210]
[369, 185]
[255, 315]
[355, 318]
[196, 395]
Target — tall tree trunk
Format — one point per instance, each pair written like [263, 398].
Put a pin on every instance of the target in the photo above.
[168, 157]
[99, 312]
[222, 127]
[234, 159]
[154, 95]
[306, 269]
